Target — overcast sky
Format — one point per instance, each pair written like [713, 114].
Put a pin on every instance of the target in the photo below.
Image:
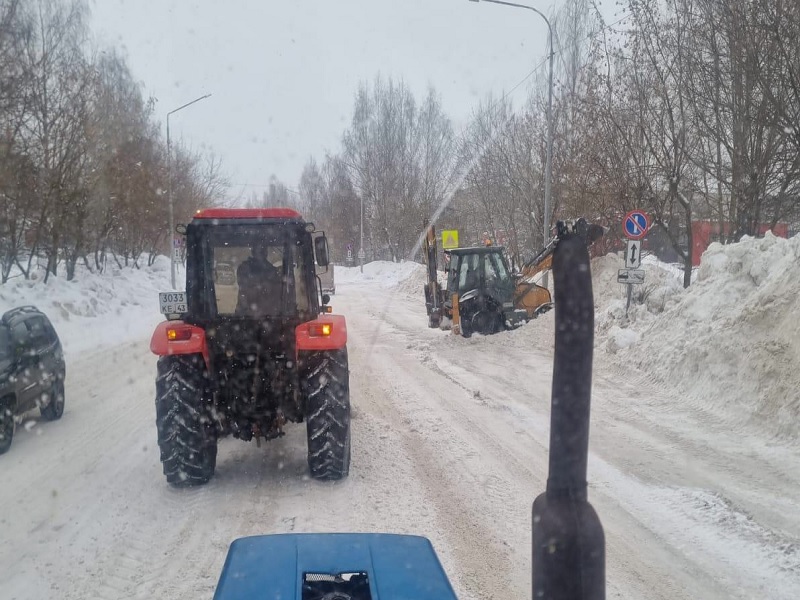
[283, 74]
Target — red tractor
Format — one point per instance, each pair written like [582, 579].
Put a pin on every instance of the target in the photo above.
[250, 345]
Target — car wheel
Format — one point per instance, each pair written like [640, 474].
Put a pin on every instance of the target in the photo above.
[6, 425]
[55, 407]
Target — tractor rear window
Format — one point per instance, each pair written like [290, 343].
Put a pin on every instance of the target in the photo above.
[257, 274]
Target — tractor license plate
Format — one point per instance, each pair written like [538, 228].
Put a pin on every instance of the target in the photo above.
[172, 303]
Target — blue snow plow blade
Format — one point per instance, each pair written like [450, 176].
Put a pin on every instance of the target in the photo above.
[368, 566]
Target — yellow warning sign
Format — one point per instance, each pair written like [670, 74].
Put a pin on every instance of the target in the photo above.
[449, 238]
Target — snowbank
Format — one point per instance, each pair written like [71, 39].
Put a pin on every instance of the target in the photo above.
[661, 290]
[94, 310]
[730, 342]
[406, 276]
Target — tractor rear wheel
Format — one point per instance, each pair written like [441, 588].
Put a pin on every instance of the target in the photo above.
[326, 389]
[186, 434]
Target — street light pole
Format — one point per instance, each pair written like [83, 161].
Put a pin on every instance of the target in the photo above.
[169, 192]
[548, 166]
[361, 246]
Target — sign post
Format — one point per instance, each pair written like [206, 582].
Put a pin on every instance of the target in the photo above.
[635, 226]
[177, 249]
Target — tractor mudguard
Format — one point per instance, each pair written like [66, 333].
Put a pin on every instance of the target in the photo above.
[177, 337]
[326, 332]
[279, 566]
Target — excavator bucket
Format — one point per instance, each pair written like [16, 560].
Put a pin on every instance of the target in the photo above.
[532, 298]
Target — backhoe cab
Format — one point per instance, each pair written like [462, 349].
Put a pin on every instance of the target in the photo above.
[480, 281]
[250, 345]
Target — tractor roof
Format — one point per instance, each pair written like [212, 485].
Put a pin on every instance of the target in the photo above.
[476, 250]
[248, 213]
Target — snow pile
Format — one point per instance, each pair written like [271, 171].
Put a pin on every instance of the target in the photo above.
[731, 342]
[406, 275]
[662, 289]
[94, 309]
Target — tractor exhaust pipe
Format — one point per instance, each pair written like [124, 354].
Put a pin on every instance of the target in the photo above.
[568, 539]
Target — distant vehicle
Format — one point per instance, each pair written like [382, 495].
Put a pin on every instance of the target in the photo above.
[32, 369]
[224, 274]
[489, 297]
[326, 277]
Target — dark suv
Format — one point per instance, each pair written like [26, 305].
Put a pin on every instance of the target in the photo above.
[32, 369]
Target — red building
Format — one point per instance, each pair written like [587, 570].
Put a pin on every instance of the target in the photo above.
[706, 232]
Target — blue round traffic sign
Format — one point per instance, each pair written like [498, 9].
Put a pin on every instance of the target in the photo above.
[636, 224]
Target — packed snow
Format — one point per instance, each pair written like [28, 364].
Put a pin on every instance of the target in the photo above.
[95, 309]
[450, 440]
[730, 342]
[384, 273]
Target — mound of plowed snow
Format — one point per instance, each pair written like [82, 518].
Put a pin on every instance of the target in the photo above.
[731, 341]
[94, 310]
[406, 276]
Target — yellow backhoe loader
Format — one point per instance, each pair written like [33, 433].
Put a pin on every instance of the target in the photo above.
[481, 289]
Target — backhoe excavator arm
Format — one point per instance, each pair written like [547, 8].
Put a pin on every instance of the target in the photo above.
[535, 299]
[433, 293]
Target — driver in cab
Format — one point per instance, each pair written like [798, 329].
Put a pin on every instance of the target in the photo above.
[260, 282]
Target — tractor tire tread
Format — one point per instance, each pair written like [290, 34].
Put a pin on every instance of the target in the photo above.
[326, 390]
[186, 436]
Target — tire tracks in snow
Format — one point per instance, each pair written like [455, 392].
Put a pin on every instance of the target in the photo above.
[633, 427]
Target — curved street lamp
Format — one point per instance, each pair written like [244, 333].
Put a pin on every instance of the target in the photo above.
[548, 169]
[169, 192]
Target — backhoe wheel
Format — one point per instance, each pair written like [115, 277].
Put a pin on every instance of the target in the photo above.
[186, 434]
[326, 389]
[484, 322]
[6, 424]
[55, 405]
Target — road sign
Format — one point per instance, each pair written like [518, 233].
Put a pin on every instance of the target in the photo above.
[630, 276]
[633, 254]
[177, 242]
[361, 254]
[635, 224]
[449, 238]
[349, 253]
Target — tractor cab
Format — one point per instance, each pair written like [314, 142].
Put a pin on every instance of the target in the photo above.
[250, 269]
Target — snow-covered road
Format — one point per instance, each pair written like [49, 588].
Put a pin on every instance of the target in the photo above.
[449, 440]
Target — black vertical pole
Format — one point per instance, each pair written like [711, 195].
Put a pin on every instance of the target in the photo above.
[568, 540]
